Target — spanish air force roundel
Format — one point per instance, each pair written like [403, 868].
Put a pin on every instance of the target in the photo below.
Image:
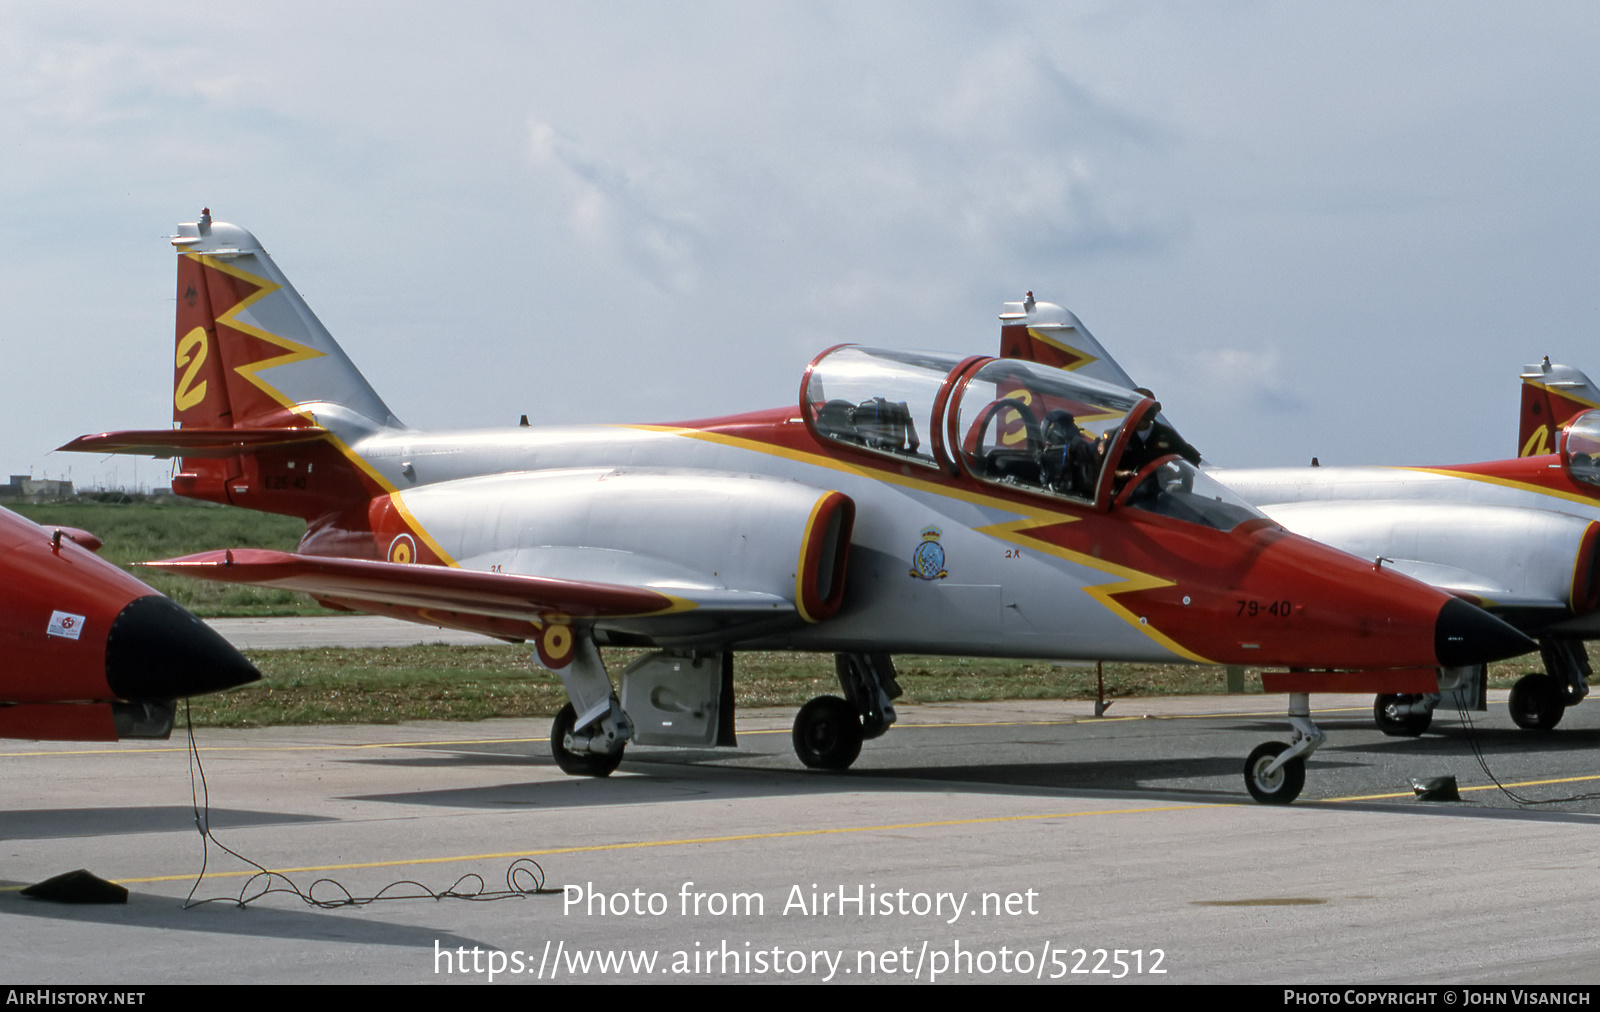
[927, 562]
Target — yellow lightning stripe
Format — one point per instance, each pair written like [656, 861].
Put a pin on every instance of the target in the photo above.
[294, 352]
[1016, 532]
[1521, 486]
[1084, 358]
[1560, 392]
[1130, 579]
[422, 532]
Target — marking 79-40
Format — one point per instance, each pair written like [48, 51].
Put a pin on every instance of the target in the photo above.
[1256, 609]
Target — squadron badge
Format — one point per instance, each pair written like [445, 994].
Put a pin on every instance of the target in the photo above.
[927, 562]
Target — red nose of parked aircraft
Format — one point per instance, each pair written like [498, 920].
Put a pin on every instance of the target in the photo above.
[156, 650]
[75, 629]
[1294, 602]
[1465, 634]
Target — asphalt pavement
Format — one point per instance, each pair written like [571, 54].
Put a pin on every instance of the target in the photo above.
[1019, 842]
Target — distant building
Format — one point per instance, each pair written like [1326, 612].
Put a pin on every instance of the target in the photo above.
[23, 488]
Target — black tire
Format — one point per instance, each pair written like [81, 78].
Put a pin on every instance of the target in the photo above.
[578, 764]
[827, 734]
[1536, 702]
[1283, 786]
[1399, 725]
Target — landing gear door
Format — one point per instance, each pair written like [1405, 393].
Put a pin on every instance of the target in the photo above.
[673, 699]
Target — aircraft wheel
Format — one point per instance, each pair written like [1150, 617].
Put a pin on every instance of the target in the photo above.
[1536, 702]
[1279, 788]
[827, 734]
[1397, 725]
[578, 764]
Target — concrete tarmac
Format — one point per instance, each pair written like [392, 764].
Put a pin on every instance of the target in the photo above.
[1017, 842]
[335, 631]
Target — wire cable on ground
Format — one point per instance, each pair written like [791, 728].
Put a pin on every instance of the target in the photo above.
[1483, 764]
[524, 877]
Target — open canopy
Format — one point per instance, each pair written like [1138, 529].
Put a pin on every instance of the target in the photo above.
[1014, 423]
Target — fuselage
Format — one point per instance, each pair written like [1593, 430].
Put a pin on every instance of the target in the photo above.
[1519, 536]
[1021, 574]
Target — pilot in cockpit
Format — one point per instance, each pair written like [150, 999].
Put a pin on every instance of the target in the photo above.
[1151, 441]
[1069, 461]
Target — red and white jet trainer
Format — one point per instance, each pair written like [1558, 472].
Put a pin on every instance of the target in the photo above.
[87, 652]
[1518, 537]
[906, 502]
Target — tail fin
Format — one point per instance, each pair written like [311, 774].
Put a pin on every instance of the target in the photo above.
[1551, 396]
[250, 353]
[267, 405]
[1046, 333]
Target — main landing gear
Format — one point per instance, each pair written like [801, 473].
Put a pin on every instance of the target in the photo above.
[1404, 716]
[594, 747]
[1407, 716]
[1275, 773]
[1538, 700]
[593, 752]
[828, 731]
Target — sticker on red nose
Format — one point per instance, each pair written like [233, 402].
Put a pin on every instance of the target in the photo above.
[65, 625]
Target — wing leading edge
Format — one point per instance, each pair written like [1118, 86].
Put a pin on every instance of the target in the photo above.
[508, 605]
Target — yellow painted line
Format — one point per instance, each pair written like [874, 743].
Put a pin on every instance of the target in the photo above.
[688, 842]
[281, 748]
[1463, 790]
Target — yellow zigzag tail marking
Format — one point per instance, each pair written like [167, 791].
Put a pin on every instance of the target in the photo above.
[294, 352]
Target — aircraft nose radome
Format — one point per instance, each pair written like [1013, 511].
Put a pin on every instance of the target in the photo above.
[156, 650]
[1465, 635]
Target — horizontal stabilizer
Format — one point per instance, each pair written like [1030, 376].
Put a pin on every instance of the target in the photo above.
[193, 442]
[502, 595]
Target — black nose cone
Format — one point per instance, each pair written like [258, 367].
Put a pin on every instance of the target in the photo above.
[157, 650]
[1465, 634]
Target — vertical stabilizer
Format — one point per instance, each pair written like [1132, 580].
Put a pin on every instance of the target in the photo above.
[250, 353]
[1551, 396]
[1046, 333]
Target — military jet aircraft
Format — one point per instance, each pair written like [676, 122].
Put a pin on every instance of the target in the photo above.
[907, 502]
[1517, 537]
[87, 652]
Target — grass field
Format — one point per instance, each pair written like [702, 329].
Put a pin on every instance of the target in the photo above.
[392, 684]
[142, 531]
[385, 685]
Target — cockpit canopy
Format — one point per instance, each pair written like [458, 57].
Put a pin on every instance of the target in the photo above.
[1580, 448]
[878, 400]
[1016, 424]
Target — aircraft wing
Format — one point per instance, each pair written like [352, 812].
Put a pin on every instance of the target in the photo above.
[508, 605]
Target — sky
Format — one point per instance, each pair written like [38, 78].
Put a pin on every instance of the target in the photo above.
[1330, 229]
